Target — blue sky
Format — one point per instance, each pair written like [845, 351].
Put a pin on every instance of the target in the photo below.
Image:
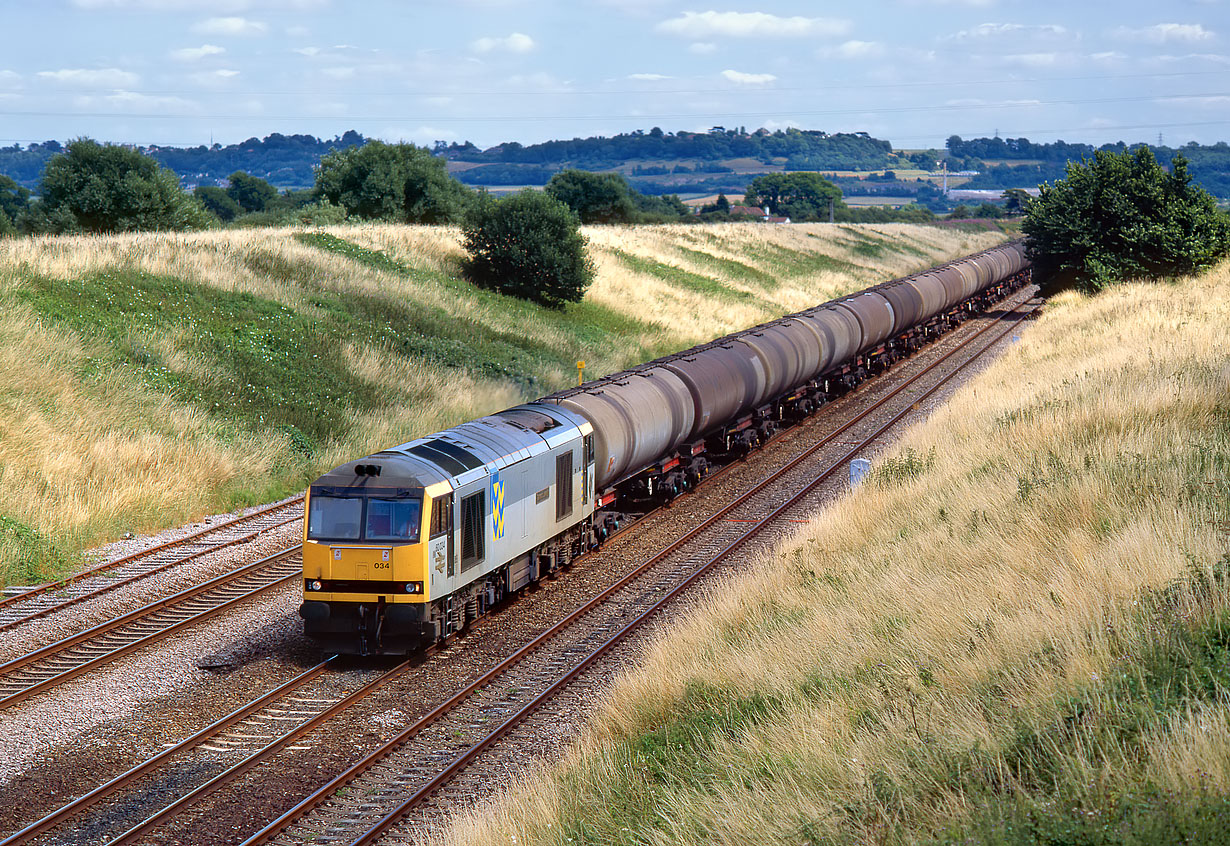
[188, 72]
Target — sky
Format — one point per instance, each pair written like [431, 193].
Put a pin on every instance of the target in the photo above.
[190, 72]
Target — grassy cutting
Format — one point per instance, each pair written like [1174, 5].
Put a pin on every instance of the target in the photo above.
[147, 380]
[1016, 631]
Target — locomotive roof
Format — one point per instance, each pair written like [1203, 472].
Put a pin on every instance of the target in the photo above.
[465, 452]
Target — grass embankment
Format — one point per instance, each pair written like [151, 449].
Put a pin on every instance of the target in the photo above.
[149, 379]
[1017, 631]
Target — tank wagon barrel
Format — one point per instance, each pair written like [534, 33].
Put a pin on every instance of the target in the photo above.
[650, 411]
[409, 544]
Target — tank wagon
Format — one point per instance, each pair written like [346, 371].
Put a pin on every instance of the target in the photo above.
[409, 544]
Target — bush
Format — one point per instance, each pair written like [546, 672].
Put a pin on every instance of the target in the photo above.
[113, 189]
[595, 197]
[323, 213]
[527, 245]
[1122, 216]
[401, 182]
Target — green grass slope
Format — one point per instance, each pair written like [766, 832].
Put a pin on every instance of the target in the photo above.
[150, 379]
[1017, 631]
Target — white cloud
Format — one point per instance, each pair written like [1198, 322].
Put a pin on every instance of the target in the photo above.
[518, 42]
[215, 78]
[1012, 30]
[853, 50]
[702, 48]
[1109, 56]
[1165, 33]
[101, 78]
[647, 77]
[195, 54]
[740, 78]
[340, 72]
[9, 79]
[750, 25]
[234, 26]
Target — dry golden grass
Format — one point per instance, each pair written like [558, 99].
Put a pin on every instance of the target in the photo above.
[992, 564]
[86, 457]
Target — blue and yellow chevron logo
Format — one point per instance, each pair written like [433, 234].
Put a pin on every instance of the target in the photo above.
[497, 505]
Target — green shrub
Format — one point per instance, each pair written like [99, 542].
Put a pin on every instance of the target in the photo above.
[1121, 216]
[528, 246]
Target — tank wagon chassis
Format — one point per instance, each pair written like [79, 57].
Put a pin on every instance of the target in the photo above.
[411, 544]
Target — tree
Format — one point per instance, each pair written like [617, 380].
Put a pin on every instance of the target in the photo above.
[14, 200]
[1121, 216]
[115, 189]
[799, 195]
[391, 182]
[1016, 200]
[218, 202]
[527, 245]
[251, 193]
[595, 197]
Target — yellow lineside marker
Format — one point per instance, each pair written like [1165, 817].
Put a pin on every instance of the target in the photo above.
[580, 372]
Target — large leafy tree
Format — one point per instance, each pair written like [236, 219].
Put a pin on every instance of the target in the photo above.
[392, 182]
[1122, 216]
[14, 200]
[106, 188]
[251, 193]
[595, 197]
[218, 202]
[527, 245]
[799, 195]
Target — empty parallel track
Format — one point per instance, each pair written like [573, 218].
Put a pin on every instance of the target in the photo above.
[41, 600]
[66, 659]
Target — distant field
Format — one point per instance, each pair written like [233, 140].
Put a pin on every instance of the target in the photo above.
[146, 380]
[878, 201]
[1017, 631]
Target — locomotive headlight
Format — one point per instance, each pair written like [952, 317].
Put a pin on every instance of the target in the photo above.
[414, 587]
[317, 584]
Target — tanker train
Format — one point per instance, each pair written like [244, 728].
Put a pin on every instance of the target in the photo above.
[409, 544]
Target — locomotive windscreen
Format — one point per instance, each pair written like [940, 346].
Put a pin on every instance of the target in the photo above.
[368, 518]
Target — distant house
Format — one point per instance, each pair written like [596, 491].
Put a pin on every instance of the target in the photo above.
[752, 211]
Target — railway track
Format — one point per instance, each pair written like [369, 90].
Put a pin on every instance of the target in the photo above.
[66, 659]
[411, 773]
[406, 781]
[39, 601]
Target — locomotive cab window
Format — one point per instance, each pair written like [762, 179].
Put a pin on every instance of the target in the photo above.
[441, 515]
[393, 519]
[335, 517]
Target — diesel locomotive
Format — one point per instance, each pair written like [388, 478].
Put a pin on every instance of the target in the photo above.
[408, 545]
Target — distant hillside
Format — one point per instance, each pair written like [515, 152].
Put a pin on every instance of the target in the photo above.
[657, 162]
